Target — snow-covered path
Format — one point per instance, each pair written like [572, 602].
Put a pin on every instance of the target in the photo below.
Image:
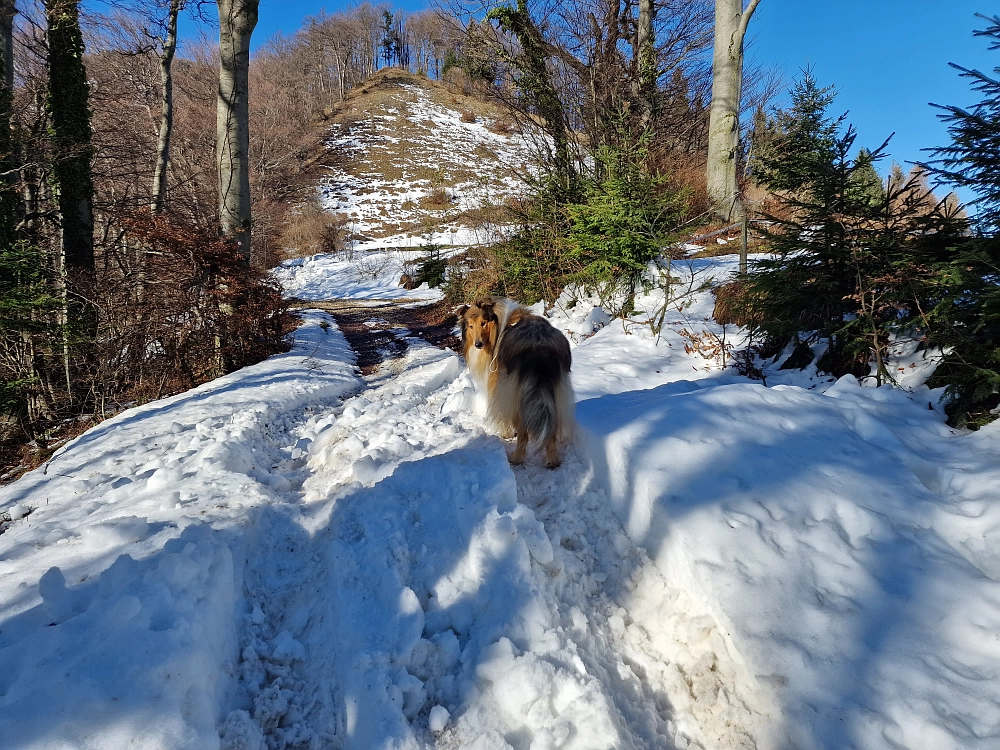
[294, 557]
[384, 594]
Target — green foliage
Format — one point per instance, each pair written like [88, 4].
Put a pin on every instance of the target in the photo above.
[851, 258]
[624, 221]
[965, 313]
[972, 159]
[432, 266]
[26, 307]
[966, 322]
[799, 142]
[604, 239]
[865, 182]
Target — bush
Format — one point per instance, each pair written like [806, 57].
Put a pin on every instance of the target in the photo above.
[311, 230]
[431, 267]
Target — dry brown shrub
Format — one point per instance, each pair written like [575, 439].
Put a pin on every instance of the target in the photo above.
[735, 305]
[436, 198]
[469, 116]
[198, 314]
[472, 274]
[310, 230]
[502, 125]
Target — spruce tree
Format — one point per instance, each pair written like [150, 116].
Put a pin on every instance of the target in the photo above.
[847, 253]
[865, 180]
[624, 221]
[966, 316]
[799, 141]
[972, 160]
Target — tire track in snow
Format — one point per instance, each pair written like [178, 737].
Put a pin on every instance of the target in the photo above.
[414, 572]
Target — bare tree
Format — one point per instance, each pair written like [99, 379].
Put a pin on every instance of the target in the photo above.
[237, 19]
[731, 21]
[70, 112]
[168, 49]
[8, 196]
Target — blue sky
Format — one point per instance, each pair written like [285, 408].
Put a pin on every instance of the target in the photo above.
[887, 58]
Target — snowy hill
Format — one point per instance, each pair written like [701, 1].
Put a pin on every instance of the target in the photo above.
[295, 557]
[412, 161]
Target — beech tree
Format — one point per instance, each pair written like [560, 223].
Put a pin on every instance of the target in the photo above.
[168, 44]
[731, 20]
[237, 19]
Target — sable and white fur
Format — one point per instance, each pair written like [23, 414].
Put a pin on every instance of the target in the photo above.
[522, 363]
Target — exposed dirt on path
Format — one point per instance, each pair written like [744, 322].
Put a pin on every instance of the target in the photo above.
[376, 331]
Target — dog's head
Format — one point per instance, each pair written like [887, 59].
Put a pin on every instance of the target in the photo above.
[479, 324]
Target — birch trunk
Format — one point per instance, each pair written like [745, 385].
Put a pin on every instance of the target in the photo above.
[724, 115]
[167, 117]
[237, 19]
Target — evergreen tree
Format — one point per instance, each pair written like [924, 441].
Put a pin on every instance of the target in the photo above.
[865, 180]
[799, 141]
[390, 40]
[966, 316]
[973, 158]
[847, 254]
[624, 221]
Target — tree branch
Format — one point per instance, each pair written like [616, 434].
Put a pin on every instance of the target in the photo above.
[745, 19]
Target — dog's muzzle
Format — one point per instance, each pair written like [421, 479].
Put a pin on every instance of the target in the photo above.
[479, 344]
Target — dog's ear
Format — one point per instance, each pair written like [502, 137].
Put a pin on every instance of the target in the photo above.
[461, 311]
[486, 304]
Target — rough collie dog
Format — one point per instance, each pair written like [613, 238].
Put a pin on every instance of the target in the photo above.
[522, 363]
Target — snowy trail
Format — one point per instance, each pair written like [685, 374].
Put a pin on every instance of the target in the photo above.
[291, 557]
[533, 622]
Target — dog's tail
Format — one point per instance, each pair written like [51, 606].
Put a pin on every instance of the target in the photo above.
[539, 407]
[538, 357]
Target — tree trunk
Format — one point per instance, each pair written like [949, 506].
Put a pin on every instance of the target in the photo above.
[237, 19]
[537, 84]
[70, 117]
[8, 196]
[646, 63]
[724, 115]
[167, 118]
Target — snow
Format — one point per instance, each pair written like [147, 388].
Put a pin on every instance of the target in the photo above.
[294, 557]
[472, 164]
[361, 275]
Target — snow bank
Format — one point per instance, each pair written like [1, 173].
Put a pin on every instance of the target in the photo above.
[119, 592]
[370, 275]
[825, 546]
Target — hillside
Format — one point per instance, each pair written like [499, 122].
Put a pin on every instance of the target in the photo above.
[412, 160]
